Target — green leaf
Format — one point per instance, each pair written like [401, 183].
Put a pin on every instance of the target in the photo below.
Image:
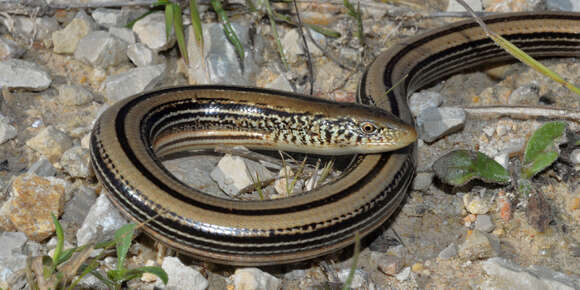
[104, 244]
[461, 166]
[123, 238]
[178, 23]
[117, 276]
[323, 30]
[196, 23]
[542, 161]
[169, 14]
[157, 271]
[543, 139]
[540, 151]
[85, 269]
[66, 254]
[59, 240]
[98, 275]
[131, 23]
[228, 29]
[48, 266]
[357, 15]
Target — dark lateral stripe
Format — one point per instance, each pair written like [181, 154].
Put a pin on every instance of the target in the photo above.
[196, 139]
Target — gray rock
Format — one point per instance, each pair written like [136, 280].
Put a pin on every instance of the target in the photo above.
[12, 258]
[506, 275]
[104, 215]
[10, 49]
[449, 252]
[16, 73]
[101, 49]
[141, 55]
[76, 161]
[92, 282]
[7, 131]
[479, 245]
[234, 173]
[293, 45]
[476, 5]
[280, 83]
[42, 167]
[82, 15]
[12, 243]
[51, 143]
[34, 249]
[137, 80]
[123, 33]
[359, 280]
[74, 95]
[296, 274]
[182, 276]
[67, 39]
[110, 17]
[422, 181]
[475, 204]
[150, 31]
[27, 27]
[434, 123]
[404, 275]
[575, 157]
[77, 208]
[484, 223]
[423, 100]
[388, 264]
[527, 94]
[195, 172]
[563, 5]
[254, 279]
[220, 63]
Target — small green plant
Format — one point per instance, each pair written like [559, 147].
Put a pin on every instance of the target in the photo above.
[64, 269]
[116, 277]
[461, 166]
[174, 22]
[357, 15]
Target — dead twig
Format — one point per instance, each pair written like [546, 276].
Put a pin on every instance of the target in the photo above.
[525, 112]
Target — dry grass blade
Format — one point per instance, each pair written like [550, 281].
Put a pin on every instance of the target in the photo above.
[518, 53]
[196, 24]
[270, 13]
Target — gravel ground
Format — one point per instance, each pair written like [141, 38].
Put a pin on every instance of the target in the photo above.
[442, 237]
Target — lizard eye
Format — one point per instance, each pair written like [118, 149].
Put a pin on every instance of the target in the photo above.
[368, 128]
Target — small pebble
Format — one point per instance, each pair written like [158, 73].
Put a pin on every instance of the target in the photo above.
[449, 252]
[417, 267]
[475, 204]
[404, 274]
[434, 123]
[422, 181]
[478, 245]
[254, 279]
[424, 100]
[484, 223]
